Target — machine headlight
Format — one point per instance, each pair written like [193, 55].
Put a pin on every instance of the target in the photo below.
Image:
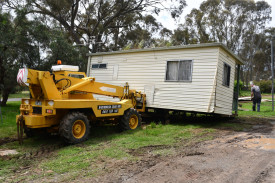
[38, 102]
[26, 102]
[51, 103]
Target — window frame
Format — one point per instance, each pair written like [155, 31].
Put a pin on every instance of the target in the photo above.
[98, 66]
[179, 60]
[223, 79]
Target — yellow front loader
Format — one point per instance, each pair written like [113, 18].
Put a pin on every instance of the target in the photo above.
[62, 101]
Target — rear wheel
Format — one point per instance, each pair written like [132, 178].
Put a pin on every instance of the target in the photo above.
[131, 120]
[28, 131]
[74, 128]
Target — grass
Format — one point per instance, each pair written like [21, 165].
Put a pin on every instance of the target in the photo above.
[265, 110]
[266, 107]
[9, 112]
[23, 94]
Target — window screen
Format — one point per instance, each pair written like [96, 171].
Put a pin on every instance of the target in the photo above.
[226, 74]
[99, 66]
[179, 70]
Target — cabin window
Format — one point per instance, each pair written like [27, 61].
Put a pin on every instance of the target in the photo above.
[179, 70]
[99, 66]
[79, 76]
[226, 74]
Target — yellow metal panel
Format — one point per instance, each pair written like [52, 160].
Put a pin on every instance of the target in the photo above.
[90, 86]
[33, 77]
[48, 86]
[94, 104]
[40, 121]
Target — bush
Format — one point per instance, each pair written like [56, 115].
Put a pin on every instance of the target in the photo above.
[240, 87]
[265, 85]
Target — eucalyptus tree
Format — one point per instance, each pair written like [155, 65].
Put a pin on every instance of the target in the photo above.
[238, 24]
[23, 43]
[228, 21]
[94, 21]
[16, 50]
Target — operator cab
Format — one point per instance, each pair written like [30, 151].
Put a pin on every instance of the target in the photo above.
[68, 70]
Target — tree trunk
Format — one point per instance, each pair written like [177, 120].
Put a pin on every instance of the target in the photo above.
[5, 97]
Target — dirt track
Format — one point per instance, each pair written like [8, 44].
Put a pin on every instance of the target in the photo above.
[232, 157]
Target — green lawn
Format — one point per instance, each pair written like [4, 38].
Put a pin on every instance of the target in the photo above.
[265, 110]
[23, 94]
[266, 107]
[8, 126]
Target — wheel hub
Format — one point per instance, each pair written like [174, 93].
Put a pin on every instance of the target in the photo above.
[79, 129]
[133, 122]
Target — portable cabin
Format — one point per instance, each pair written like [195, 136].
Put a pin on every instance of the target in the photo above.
[194, 78]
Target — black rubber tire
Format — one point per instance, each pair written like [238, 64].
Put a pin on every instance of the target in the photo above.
[28, 131]
[66, 127]
[125, 119]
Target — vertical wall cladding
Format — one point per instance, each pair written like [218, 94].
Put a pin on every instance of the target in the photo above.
[224, 94]
[147, 71]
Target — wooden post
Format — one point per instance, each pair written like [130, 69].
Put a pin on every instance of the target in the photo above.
[238, 88]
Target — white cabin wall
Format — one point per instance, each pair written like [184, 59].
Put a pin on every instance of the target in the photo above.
[224, 94]
[148, 69]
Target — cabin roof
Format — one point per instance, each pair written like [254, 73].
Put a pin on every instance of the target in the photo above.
[203, 45]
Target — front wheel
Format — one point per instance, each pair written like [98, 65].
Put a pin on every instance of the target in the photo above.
[131, 120]
[74, 128]
[28, 131]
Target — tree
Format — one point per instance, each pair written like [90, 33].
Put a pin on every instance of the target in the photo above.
[239, 24]
[23, 43]
[46, 30]
[93, 21]
[227, 21]
[8, 52]
[258, 61]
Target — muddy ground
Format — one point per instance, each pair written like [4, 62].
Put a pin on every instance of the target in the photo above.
[232, 156]
[246, 156]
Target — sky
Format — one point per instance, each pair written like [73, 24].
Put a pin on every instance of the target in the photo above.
[166, 19]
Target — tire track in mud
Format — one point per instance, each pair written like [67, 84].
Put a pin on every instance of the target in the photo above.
[7, 140]
[263, 175]
[44, 151]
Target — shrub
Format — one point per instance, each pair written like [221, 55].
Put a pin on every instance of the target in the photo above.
[265, 85]
[240, 86]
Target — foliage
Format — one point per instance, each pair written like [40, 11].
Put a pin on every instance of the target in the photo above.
[104, 24]
[240, 25]
[23, 43]
[265, 85]
[10, 43]
[227, 21]
[240, 85]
